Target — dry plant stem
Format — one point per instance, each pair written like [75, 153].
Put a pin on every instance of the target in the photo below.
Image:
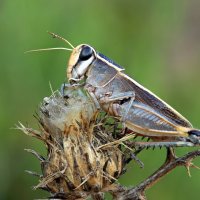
[138, 192]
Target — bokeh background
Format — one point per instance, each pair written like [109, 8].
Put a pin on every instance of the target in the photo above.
[158, 42]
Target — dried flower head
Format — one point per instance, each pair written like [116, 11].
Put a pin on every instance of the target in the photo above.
[83, 158]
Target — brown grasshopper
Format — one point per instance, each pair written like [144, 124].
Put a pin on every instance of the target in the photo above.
[120, 96]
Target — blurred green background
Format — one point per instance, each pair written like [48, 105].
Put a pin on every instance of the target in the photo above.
[158, 42]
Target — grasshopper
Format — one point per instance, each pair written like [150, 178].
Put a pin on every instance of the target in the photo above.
[122, 97]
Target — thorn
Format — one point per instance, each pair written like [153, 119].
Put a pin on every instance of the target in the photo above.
[195, 166]
[40, 158]
[33, 173]
[189, 164]
[143, 137]
[188, 169]
[135, 136]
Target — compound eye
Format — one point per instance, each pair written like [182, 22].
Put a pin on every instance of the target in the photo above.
[86, 53]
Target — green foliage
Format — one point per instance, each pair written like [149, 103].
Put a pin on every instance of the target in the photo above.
[156, 41]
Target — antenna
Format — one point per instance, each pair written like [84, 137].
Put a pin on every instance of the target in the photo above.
[61, 38]
[48, 49]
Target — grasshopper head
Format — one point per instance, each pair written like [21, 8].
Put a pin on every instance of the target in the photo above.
[81, 58]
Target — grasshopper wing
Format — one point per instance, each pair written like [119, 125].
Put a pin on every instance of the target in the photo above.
[149, 115]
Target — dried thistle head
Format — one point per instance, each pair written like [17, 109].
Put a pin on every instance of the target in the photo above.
[82, 158]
